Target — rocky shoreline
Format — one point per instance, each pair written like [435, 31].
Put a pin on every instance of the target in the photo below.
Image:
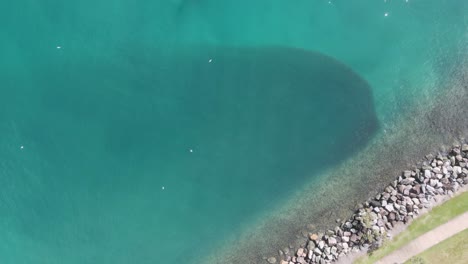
[401, 201]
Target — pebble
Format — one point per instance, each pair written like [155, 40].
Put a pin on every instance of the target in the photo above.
[313, 237]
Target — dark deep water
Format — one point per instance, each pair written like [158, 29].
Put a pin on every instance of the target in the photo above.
[159, 154]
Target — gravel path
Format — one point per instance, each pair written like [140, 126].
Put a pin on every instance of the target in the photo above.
[427, 240]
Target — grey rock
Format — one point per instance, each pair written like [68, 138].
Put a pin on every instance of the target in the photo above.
[385, 196]
[407, 174]
[317, 252]
[406, 192]
[321, 244]
[389, 207]
[423, 188]
[401, 188]
[377, 209]
[301, 260]
[445, 170]
[364, 247]
[334, 251]
[464, 148]
[427, 174]
[440, 191]
[430, 189]
[408, 181]
[380, 222]
[375, 203]
[310, 245]
[417, 189]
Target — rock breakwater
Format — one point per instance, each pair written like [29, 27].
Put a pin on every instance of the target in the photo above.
[402, 200]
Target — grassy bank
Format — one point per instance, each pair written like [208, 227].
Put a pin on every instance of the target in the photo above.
[453, 250]
[437, 216]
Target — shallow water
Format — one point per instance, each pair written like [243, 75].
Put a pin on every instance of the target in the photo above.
[150, 132]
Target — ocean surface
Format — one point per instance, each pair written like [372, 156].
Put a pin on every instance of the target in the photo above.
[162, 131]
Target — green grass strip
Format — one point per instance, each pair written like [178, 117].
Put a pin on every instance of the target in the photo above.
[453, 250]
[437, 216]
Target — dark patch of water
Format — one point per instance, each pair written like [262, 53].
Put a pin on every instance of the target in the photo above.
[226, 131]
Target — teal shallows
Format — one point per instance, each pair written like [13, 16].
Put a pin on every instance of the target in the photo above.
[107, 102]
[162, 156]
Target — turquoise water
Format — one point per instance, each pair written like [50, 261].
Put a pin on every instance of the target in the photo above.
[151, 132]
